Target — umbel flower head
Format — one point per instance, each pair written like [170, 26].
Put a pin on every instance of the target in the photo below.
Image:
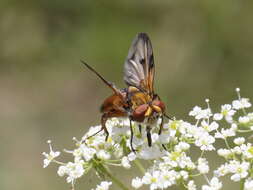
[170, 158]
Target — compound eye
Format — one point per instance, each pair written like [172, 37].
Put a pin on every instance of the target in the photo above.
[159, 104]
[140, 110]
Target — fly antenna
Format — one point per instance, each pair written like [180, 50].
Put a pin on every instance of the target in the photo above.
[102, 78]
[169, 117]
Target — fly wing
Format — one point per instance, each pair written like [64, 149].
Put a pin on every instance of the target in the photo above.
[139, 69]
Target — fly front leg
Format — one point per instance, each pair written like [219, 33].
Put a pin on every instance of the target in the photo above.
[148, 129]
[160, 131]
[139, 126]
[132, 135]
[168, 117]
[161, 126]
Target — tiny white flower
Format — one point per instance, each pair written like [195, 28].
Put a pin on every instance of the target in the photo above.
[198, 113]
[62, 170]
[87, 152]
[205, 142]
[184, 127]
[155, 137]
[51, 156]
[182, 146]
[104, 185]
[73, 170]
[226, 111]
[239, 140]
[148, 153]
[226, 132]
[167, 178]
[242, 103]
[192, 131]
[152, 179]
[125, 162]
[104, 155]
[209, 127]
[224, 153]
[244, 119]
[191, 185]
[131, 156]
[173, 125]
[250, 115]
[203, 166]
[234, 126]
[217, 116]
[214, 184]
[222, 170]
[240, 170]
[184, 174]
[136, 183]
[237, 150]
[248, 185]
[247, 150]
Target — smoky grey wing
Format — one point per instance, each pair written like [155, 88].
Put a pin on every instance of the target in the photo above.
[139, 65]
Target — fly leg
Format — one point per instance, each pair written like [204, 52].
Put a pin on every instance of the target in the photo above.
[93, 134]
[104, 118]
[160, 131]
[161, 126]
[169, 117]
[107, 115]
[148, 129]
[139, 126]
[132, 135]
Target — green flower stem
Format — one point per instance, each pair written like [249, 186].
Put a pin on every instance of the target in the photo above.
[112, 164]
[202, 153]
[195, 175]
[139, 166]
[58, 162]
[242, 185]
[113, 178]
[244, 111]
[183, 186]
[114, 161]
[226, 142]
[244, 131]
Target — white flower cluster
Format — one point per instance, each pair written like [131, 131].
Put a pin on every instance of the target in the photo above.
[171, 158]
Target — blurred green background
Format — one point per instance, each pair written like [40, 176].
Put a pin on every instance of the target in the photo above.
[202, 48]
